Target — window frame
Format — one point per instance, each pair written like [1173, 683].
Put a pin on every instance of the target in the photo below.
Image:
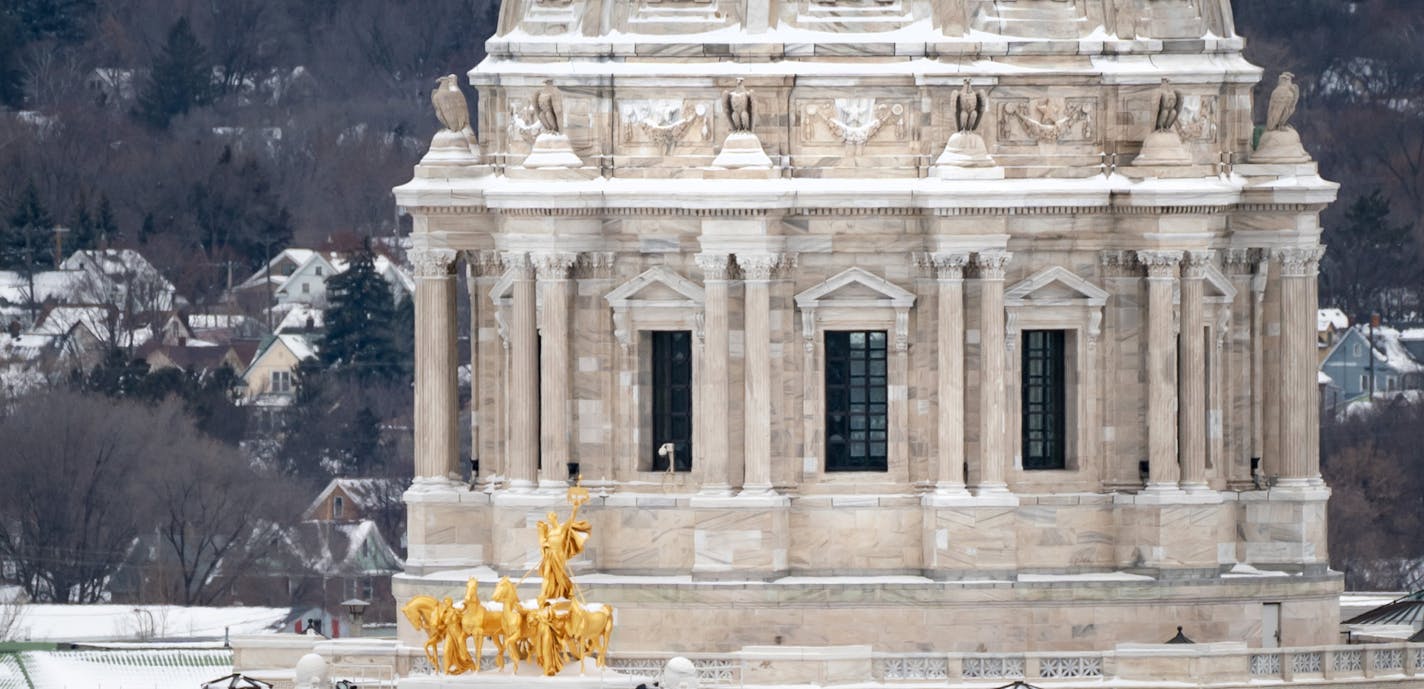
[660, 404]
[1055, 353]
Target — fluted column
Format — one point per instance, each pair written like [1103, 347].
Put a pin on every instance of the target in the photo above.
[993, 440]
[523, 387]
[1163, 470]
[949, 272]
[554, 367]
[713, 413]
[1191, 365]
[756, 271]
[437, 407]
[1299, 409]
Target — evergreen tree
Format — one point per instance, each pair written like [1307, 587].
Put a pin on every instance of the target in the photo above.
[146, 229]
[181, 78]
[12, 78]
[1370, 262]
[364, 451]
[305, 445]
[105, 225]
[64, 20]
[360, 339]
[25, 244]
[82, 231]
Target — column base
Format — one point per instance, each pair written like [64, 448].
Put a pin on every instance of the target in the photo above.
[994, 495]
[553, 485]
[436, 484]
[719, 490]
[520, 485]
[755, 491]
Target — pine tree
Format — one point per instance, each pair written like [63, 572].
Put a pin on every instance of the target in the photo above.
[105, 225]
[25, 245]
[1370, 260]
[82, 232]
[181, 78]
[12, 78]
[360, 323]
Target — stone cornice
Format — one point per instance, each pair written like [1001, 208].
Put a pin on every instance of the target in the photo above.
[881, 211]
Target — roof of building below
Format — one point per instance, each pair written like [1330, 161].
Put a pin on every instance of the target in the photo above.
[1408, 610]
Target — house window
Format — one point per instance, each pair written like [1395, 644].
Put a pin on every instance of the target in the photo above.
[338, 506]
[1355, 349]
[1043, 406]
[306, 288]
[1364, 383]
[857, 413]
[281, 381]
[318, 271]
[672, 398]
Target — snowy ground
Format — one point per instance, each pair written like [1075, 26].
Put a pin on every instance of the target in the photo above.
[84, 623]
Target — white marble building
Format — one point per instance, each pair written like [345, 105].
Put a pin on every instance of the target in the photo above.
[1047, 386]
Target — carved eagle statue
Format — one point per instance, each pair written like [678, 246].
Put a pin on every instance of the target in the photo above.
[737, 102]
[968, 106]
[450, 106]
[1282, 105]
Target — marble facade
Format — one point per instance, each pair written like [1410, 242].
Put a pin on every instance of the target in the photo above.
[1185, 288]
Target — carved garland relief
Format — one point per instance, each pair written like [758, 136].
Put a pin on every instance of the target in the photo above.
[853, 121]
[1026, 122]
[666, 122]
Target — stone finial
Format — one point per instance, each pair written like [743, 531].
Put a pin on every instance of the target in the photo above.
[991, 264]
[679, 673]
[714, 266]
[312, 672]
[433, 263]
[949, 265]
[1169, 107]
[1282, 104]
[758, 267]
[1160, 264]
[737, 102]
[553, 265]
[1300, 261]
[969, 106]
[548, 106]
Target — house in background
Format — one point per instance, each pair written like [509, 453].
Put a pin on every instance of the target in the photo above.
[1329, 323]
[1359, 367]
[121, 277]
[355, 499]
[269, 383]
[298, 277]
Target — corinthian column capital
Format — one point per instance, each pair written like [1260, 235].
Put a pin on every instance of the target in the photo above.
[553, 265]
[758, 267]
[714, 266]
[1300, 261]
[519, 262]
[1161, 265]
[1194, 263]
[433, 263]
[949, 265]
[991, 264]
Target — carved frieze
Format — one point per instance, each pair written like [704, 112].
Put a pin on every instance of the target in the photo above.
[524, 120]
[666, 122]
[1024, 121]
[854, 121]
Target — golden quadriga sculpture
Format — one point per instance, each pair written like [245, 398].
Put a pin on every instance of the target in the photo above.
[559, 627]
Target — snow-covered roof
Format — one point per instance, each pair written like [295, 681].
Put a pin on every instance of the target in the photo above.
[59, 285]
[297, 257]
[364, 493]
[145, 669]
[217, 321]
[296, 319]
[1389, 348]
[300, 346]
[1322, 379]
[82, 623]
[61, 319]
[1326, 318]
[337, 549]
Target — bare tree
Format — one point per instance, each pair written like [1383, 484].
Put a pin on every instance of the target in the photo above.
[69, 508]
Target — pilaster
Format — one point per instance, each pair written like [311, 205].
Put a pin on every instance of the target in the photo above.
[1299, 461]
[437, 453]
[554, 367]
[757, 271]
[993, 429]
[1163, 470]
[713, 415]
[949, 274]
[523, 389]
[1191, 386]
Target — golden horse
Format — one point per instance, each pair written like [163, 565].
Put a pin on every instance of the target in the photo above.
[478, 622]
[514, 628]
[424, 614]
[589, 631]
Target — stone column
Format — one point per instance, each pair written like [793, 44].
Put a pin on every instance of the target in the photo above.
[523, 386]
[437, 407]
[756, 271]
[1163, 470]
[554, 368]
[713, 414]
[472, 287]
[949, 272]
[1191, 365]
[1258, 365]
[1299, 410]
[993, 440]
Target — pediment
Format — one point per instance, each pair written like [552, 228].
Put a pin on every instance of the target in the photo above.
[657, 286]
[856, 287]
[1055, 286]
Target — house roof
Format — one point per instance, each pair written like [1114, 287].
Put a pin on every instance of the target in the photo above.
[298, 345]
[199, 358]
[364, 493]
[337, 549]
[58, 285]
[296, 319]
[1407, 609]
[1336, 318]
[297, 257]
[59, 320]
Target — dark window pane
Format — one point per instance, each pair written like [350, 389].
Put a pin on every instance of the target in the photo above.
[856, 411]
[672, 398]
[1044, 413]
